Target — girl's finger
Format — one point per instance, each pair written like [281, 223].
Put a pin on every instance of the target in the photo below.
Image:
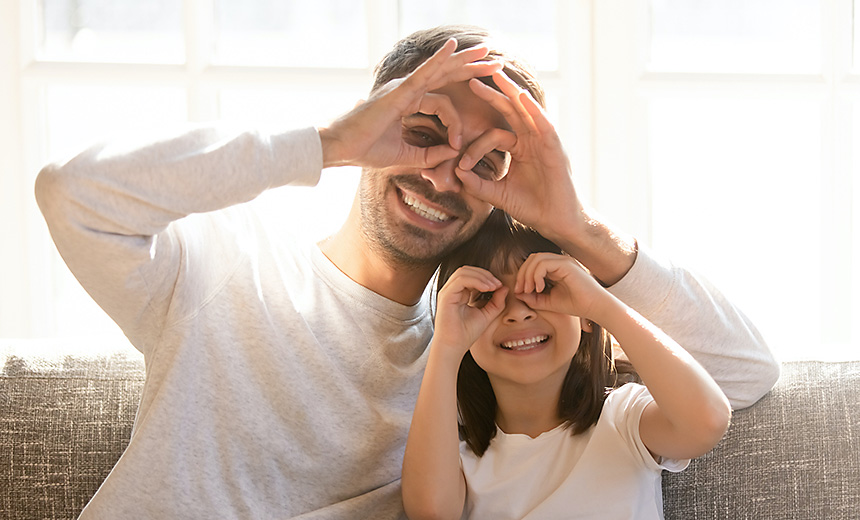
[469, 277]
[496, 303]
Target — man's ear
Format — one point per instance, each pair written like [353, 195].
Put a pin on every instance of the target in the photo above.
[585, 325]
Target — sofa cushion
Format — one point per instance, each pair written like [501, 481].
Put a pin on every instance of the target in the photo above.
[793, 455]
[64, 421]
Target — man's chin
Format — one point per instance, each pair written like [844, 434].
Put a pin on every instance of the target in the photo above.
[415, 247]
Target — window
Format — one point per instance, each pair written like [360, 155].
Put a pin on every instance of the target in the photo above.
[719, 132]
[733, 122]
[82, 70]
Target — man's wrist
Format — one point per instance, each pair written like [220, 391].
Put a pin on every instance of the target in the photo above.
[329, 144]
[606, 253]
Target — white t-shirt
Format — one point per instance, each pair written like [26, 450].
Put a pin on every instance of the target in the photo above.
[605, 473]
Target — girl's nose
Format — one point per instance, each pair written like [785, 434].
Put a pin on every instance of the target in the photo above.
[443, 177]
[516, 311]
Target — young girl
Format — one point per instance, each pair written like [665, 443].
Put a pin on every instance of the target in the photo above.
[549, 428]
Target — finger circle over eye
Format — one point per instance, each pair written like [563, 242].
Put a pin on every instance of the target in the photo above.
[441, 106]
[493, 139]
[513, 112]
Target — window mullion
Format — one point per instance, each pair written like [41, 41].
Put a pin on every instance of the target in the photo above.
[199, 27]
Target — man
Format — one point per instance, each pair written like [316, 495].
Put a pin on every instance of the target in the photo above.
[281, 377]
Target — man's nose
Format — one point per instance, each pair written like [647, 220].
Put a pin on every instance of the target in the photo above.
[442, 176]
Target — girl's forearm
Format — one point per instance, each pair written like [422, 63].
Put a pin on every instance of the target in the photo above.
[693, 413]
[433, 484]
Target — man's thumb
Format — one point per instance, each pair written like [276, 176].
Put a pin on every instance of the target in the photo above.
[476, 186]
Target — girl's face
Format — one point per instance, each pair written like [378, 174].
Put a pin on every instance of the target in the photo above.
[524, 346]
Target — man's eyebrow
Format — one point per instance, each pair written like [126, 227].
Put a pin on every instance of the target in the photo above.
[434, 119]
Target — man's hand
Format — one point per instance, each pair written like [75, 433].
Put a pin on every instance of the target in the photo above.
[538, 178]
[370, 135]
[538, 189]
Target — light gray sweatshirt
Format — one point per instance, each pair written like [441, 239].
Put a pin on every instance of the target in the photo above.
[277, 387]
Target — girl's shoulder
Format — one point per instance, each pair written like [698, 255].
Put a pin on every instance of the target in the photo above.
[626, 402]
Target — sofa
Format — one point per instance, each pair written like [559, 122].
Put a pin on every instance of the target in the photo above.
[65, 418]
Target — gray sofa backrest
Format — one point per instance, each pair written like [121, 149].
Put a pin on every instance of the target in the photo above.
[64, 421]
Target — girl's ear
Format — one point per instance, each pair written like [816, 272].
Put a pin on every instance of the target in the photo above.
[585, 325]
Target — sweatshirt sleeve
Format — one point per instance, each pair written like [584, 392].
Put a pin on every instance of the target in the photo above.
[116, 212]
[696, 315]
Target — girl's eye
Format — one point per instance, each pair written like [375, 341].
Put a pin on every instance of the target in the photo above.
[548, 285]
[481, 299]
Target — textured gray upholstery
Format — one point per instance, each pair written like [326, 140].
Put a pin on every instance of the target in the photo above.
[64, 421]
[793, 455]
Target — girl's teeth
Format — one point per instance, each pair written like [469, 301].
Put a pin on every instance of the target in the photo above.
[424, 210]
[524, 344]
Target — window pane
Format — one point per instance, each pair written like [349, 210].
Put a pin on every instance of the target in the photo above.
[323, 209]
[112, 31]
[736, 193]
[529, 33]
[79, 116]
[856, 35]
[289, 107]
[295, 33]
[745, 36]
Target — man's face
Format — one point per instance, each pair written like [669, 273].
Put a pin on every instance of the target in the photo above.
[415, 216]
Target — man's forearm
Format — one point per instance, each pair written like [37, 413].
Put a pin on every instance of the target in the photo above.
[607, 253]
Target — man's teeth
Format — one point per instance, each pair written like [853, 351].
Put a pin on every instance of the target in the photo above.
[524, 344]
[425, 211]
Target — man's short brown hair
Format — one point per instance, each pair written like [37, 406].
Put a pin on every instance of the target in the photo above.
[413, 50]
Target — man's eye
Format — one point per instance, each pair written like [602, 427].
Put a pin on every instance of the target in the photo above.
[420, 138]
[485, 169]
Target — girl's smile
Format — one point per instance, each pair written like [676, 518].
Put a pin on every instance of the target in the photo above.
[525, 346]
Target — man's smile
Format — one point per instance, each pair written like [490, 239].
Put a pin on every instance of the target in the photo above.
[424, 210]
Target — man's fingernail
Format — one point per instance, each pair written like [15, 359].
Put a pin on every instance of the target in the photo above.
[464, 162]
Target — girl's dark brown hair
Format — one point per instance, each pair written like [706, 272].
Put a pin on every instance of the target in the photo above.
[500, 246]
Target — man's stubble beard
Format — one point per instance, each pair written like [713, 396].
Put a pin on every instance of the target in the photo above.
[399, 243]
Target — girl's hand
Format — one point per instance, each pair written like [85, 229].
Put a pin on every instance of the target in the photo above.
[557, 283]
[465, 306]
